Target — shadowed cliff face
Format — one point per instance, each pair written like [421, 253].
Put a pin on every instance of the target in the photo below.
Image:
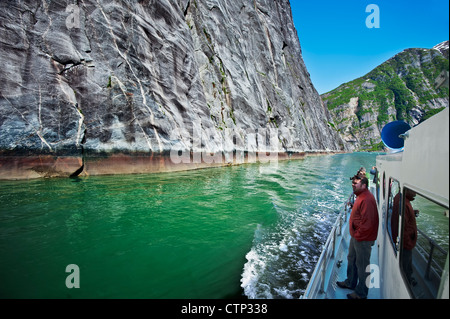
[109, 77]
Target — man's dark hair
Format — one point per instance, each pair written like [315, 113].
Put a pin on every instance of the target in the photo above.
[365, 181]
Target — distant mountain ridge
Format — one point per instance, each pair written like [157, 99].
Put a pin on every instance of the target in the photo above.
[401, 88]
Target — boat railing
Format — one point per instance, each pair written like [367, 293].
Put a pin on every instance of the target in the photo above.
[429, 255]
[317, 282]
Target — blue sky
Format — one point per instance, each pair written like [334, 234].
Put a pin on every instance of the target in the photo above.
[338, 47]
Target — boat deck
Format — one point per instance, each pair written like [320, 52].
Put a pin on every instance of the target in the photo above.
[339, 273]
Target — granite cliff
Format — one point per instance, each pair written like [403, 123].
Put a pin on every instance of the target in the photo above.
[402, 88]
[100, 87]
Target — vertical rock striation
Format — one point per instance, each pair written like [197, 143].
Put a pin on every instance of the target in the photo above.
[101, 87]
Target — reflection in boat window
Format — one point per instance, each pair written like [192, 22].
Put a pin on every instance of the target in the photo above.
[424, 244]
[393, 212]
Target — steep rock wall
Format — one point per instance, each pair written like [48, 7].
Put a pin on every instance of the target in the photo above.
[91, 83]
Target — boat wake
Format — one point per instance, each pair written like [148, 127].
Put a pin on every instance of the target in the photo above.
[281, 259]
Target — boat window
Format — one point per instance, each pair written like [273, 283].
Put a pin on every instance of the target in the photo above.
[384, 185]
[424, 244]
[393, 212]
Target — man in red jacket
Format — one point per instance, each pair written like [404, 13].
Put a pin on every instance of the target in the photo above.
[363, 230]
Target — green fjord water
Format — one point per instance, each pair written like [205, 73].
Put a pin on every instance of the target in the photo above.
[253, 230]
